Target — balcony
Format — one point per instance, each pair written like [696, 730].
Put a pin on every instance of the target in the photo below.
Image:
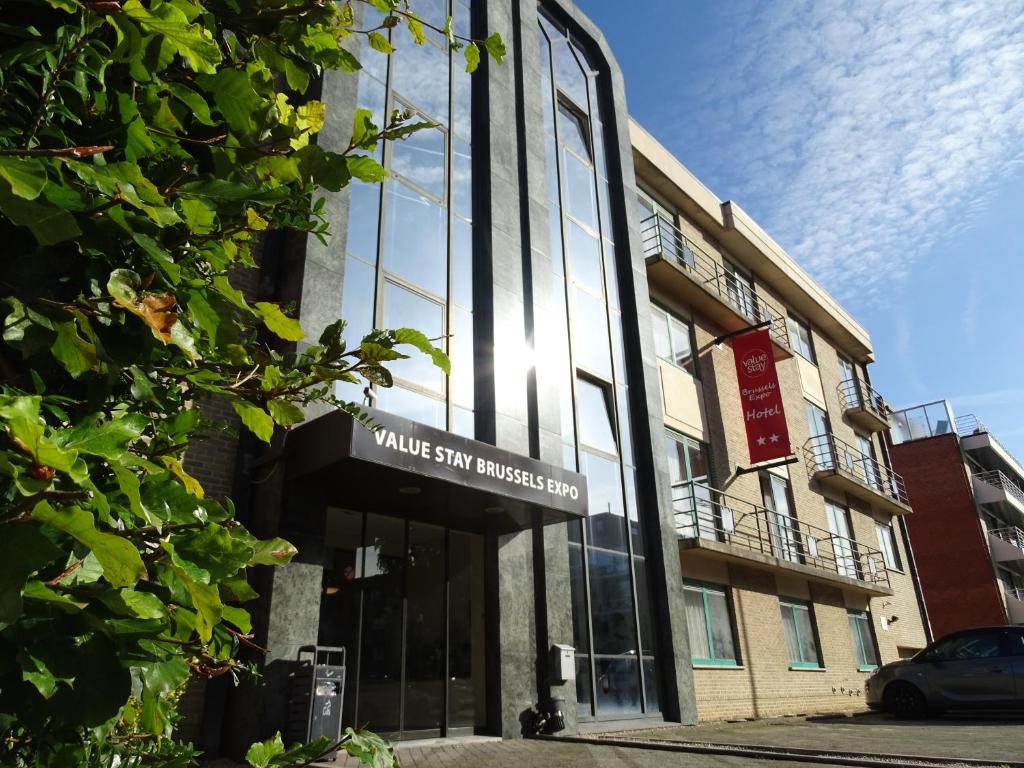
[993, 487]
[841, 467]
[975, 436]
[1015, 605]
[1007, 544]
[690, 273]
[723, 527]
[863, 406]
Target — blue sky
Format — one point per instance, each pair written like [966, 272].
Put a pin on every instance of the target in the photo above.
[880, 143]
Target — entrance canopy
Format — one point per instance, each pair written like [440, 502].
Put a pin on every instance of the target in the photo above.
[423, 473]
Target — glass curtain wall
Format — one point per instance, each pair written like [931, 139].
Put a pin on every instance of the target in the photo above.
[408, 246]
[616, 668]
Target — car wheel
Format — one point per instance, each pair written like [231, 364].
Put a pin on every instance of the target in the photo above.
[904, 701]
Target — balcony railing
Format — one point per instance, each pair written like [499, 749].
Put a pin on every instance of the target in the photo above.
[971, 425]
[829, 454]
[858, 396]
[1011, 534]
[1017, 593]
[997, 479]
[662, 238]
[702, 512]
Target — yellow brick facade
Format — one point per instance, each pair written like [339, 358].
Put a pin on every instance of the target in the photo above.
[763, 684]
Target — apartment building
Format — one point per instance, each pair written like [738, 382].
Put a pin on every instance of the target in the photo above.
[797, 575]
[970, 538]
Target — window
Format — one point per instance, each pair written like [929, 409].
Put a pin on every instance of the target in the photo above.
[709, 624]
[846, 370]
[864, 650]
[782, 529]
[673, 339]
[691, 497]
[740, 288]
[975, 644]
[887, 546]
[842, 545]
[868, 469]
[817, 419]
[801, 639]
[596, 415]
[800, 339]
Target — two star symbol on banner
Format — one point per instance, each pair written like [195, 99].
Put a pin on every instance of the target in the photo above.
[773, 437]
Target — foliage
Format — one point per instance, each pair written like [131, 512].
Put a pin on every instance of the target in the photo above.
[145, 148]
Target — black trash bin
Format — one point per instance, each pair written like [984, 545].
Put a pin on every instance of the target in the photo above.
[317, 694]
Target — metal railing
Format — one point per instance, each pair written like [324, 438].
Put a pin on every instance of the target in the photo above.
[857, 393]
[662, 238]
[1011, 534]
[702, 512]
[1017, 593]
[827, 453]
[971, 425]
[997, 479]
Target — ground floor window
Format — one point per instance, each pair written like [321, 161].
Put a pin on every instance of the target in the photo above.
[801, 638]
[864, 649]
[709, 623]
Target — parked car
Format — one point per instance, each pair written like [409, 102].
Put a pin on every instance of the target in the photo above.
[972, 668]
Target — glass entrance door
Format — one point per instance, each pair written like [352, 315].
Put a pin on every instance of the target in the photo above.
[409, 598]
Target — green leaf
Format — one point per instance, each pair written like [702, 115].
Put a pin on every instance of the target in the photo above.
[415, 28]
[277, 321]
[145, 605]
[239, 617]
[366, 168]
[109, 439]
[26, 175]
[75, 353]
[122, 565]
[259, 422]
[472, 54]
[21, 417]
[24, 549]
[191, 41]
[200, 216]
[47, 223]
[261, 753]
[422, 343]
[380, 43]
[285, 413]
[237, 100]
[495, 47]
[363, 128]
[192, 485]
[276, 551]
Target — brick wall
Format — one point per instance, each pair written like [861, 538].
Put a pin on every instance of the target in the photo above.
[953, 560]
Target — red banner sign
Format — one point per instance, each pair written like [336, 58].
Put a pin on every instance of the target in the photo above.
[760, 397]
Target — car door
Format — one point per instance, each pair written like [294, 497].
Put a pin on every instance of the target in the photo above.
[1016, 635]
[971, 669]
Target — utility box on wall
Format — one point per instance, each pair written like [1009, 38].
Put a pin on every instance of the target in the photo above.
[563, 663]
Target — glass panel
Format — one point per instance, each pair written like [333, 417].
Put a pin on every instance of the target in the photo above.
[839, 526]
[789, 629]
[416, 238]
[579, 190]
[461, 379]
[696, 624]
[363, 211]
[580, 634]
[463, 422]
[466, 657]
[682, 350]
[462, 262]
[595, 415]
[643, 606]
[808, 643]
[372, 92]
[568, 75]
[651, 682]
[606, 516]
[380, 671]
[611, 603]
[625, 438]
[462, 96]
[405, 309]
[412, 405]
[590, 333]
[573, 132]
[584, 705]
[339, 603]
[421, 77]
[462, 178]
[618, 685]
[357, 298]
[425, 629]
[721, 625]
[421, 159]
[584, 259]
[610, 276]
[782, 530]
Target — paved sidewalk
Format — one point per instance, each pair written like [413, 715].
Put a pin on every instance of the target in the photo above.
[980, 737]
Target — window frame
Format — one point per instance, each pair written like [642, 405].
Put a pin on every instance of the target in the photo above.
[897, 561]
[810, 355]
[860, 650]
[704, 587]
[691, 335]
[794, 604]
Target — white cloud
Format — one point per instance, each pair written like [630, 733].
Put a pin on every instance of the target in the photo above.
[863, 132]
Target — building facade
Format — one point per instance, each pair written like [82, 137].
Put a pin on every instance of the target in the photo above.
[797, 575]
[566, 485]
[970, 543]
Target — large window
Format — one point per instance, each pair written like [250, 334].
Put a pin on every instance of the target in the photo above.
[616, 660]
[673, 339]
[801, 636]
[709, 623]
[864, 649]
[842, 542]
[691, 493]
[800, 339]
[782, 529]
[817, 419]
[739, 286]
[887, 546]
[408, 247]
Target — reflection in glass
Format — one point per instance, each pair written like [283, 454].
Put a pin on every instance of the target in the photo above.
[569, 76]
[412, 405]
[574, 133]
[590, 333]
[415, 239]
[425, 629]
[584, 259]
[462, 262]
[462, 179]
[466, 659]
[579, 190]
[421, 77]
[606, 513]
[363, 211]
[420, 159]
[611, 603]
[595, 412]
[461, 379]
[405, 309]
[580, 633]
[618, 685]
[583, 688]
[651, 683]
